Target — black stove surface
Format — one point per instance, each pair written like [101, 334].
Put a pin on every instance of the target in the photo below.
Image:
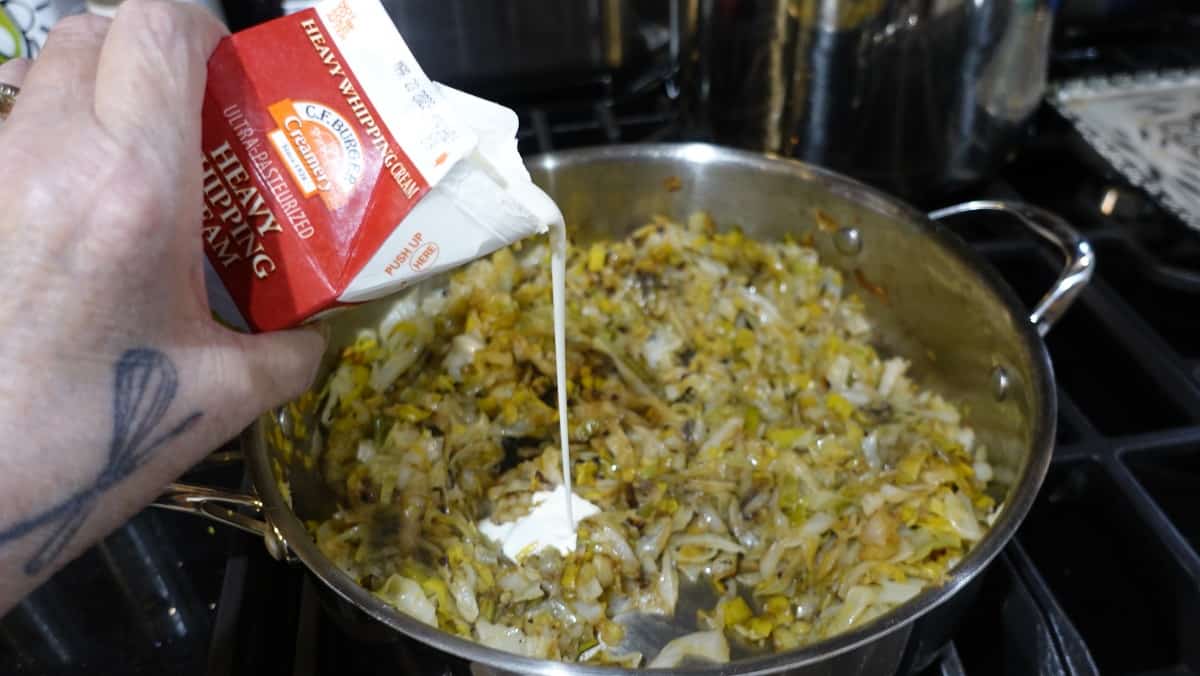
[1102, 578]
[143, 601]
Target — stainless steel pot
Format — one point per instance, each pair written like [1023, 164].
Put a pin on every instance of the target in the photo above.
[934, 301]
[914, 96]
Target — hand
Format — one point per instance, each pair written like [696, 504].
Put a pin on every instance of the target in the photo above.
[116, 378]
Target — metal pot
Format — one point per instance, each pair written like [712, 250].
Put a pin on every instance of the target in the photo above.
[933, 299]
[914, 96]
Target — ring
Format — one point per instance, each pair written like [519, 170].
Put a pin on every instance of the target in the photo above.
[8, 97]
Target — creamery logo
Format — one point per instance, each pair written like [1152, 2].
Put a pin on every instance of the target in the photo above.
[320, 149]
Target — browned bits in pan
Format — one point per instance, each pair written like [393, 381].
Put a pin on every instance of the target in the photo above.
[824, 221]
[871, 287]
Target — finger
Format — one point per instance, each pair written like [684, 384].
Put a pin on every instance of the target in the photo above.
[151, 74]
[63, 78]
[13, 72]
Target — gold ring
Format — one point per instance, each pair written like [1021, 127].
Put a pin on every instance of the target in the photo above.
[8, 97]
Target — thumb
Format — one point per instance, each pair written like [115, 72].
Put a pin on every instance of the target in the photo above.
[283, 363]
[260, 371]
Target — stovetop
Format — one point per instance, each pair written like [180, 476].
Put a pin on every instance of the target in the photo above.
[1102, 578]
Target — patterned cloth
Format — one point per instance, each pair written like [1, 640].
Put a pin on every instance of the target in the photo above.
[1147, 126]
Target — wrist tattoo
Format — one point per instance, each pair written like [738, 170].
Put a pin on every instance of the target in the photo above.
[144, 385]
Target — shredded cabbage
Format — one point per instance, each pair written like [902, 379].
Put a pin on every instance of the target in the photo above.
[408, 596]
[728, 415]
[710, 646]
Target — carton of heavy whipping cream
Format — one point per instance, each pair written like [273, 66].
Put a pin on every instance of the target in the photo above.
[335, 171]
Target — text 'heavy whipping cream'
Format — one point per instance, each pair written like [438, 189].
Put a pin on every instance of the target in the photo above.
[335, 171]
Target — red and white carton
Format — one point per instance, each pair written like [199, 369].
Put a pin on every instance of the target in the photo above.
[335, 171]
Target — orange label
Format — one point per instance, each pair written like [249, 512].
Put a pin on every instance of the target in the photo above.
[319, 147]
[302, 181]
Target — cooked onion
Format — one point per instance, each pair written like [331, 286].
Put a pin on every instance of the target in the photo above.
[729, 417]
[706, 645]
[407, 595]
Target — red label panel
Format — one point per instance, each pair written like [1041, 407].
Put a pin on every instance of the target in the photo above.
[302, 180]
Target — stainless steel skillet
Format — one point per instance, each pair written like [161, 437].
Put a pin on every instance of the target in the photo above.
[933, 300]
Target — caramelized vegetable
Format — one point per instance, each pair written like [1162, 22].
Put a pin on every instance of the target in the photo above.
[728, 414]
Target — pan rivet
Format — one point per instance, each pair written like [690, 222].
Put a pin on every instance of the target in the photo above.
[848, 241]
[1000, 383]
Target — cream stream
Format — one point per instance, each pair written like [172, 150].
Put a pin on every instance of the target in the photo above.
[558, 283]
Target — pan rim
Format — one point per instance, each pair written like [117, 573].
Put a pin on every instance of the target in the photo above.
[1044, 417]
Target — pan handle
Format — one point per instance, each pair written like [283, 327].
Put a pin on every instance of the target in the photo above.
[1080, 259]
[223, 506]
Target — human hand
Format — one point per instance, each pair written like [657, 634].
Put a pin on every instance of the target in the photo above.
[116, 378]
